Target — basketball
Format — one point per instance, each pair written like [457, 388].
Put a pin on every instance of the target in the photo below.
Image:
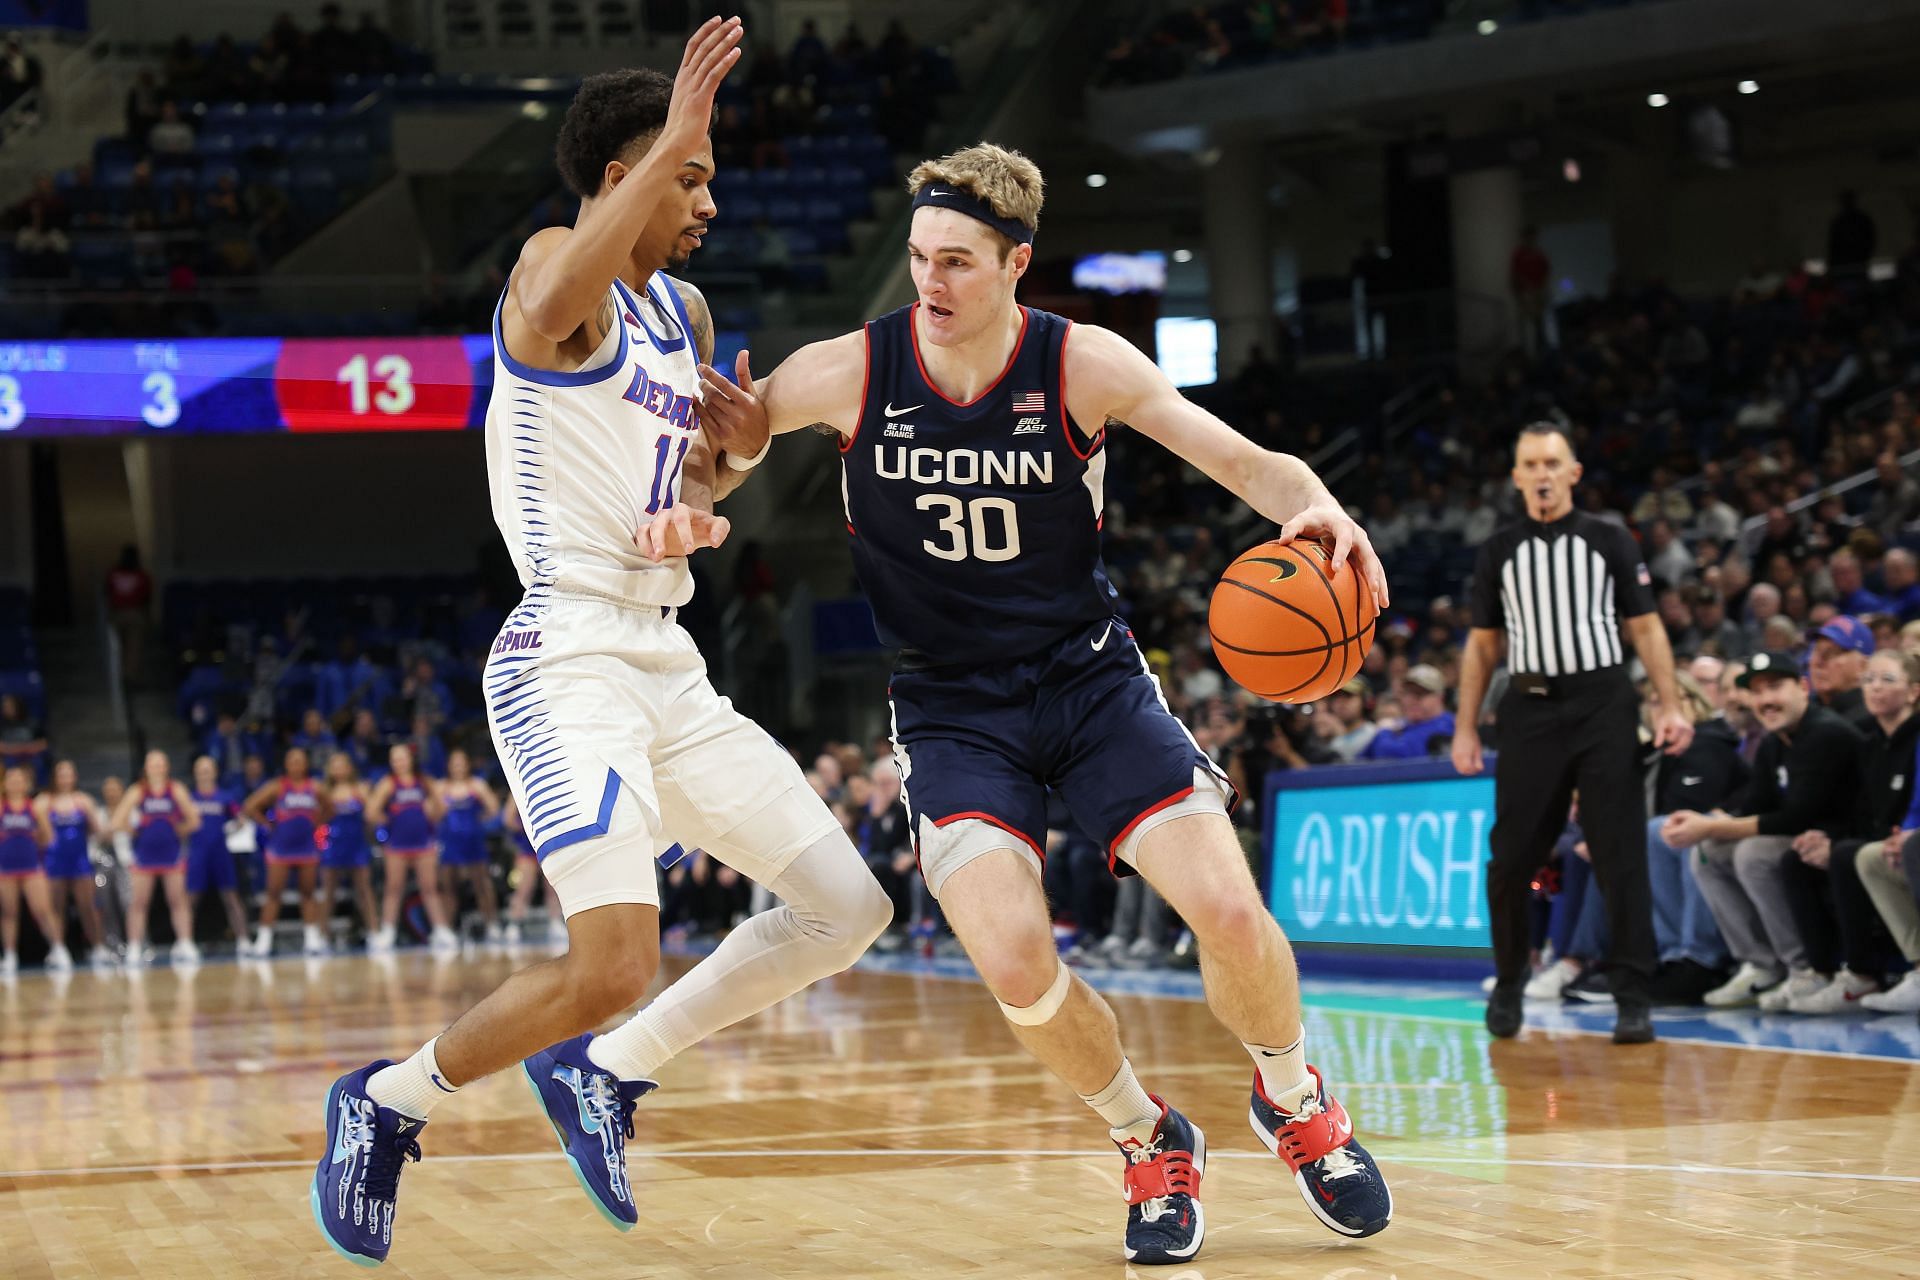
[1287, 625]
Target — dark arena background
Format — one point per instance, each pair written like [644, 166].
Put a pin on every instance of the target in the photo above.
[250, 260]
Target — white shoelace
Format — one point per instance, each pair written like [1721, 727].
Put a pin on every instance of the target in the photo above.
[1339, 1162]
[1150, 1210]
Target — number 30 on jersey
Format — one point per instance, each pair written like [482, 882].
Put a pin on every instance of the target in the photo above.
[978, 529]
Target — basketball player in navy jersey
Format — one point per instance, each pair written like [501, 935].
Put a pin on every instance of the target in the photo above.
[972, 433]
[603, 720]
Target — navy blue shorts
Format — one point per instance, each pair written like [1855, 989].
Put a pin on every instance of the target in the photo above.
[1084, 718]
[210, 866]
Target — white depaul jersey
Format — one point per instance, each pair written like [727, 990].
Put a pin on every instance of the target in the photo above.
[578, 462]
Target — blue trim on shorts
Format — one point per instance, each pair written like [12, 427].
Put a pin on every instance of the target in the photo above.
[598, 827]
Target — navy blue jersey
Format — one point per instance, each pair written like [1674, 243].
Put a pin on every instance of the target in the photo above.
[975, 527]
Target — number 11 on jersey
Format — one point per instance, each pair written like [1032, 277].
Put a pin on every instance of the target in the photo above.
[664, 476]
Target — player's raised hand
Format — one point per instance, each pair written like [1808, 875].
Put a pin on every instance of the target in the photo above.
[733, 415]
[711, 53]
[1329, 521]
[681, 530]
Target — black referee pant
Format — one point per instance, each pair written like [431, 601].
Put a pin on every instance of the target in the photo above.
[1583, 735]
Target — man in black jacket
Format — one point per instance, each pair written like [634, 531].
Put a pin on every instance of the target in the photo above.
[1805, 778]
[1709, 775]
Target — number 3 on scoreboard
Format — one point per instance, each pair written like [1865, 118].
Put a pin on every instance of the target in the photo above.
[396, 376]
[163, 407]
[12, 410]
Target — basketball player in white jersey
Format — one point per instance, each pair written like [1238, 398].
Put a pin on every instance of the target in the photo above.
[606, 726]
[972, 434]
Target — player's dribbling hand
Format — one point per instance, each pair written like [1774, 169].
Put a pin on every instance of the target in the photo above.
[1330, 521]
[681, 530]
[735, 420]
[711, 53]
[1467, 757]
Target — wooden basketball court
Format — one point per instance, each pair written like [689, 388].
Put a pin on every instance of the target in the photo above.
[885, 1124]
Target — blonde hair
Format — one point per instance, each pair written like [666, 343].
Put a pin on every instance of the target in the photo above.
[1003, 178]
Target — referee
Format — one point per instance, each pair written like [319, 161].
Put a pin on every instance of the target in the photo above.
[1561, 585]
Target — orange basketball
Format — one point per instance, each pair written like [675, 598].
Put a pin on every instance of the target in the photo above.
[1288, 627]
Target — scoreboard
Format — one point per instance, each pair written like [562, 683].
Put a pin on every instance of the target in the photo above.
[225, 385]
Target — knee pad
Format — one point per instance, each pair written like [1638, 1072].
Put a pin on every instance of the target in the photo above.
[1042, 1010]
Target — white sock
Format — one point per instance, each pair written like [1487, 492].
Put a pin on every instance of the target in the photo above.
[1125, 1106]
[414, 1087]
[1283, 1073]
[634, 1050]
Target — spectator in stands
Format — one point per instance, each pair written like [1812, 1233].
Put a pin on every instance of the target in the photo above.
[316, 740]
[1851, 239]
[1668, 559]
[129, 594]
[1850, 594]
[1900, 573]
[331, 45]
[1836, 663]
[1428, 728]
[1886, 796]
[365, 746]
[142, 107]
[1437, 516]
[1344, 715]
[373, 48]
[23, 741]
[20, 72]
[1896, 500]
[170, 135]
[886, 840]
[41, 250]
[1719, 634]
[429, 753]
[808, 57]
[1390, 529]
[426, 695]
[1763, 606]
[1478, 519]
[1889, 871]
[1805, 778]
[1663, 501]
[1528, 273]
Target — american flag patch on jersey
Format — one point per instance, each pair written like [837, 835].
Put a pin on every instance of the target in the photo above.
[1030, 402]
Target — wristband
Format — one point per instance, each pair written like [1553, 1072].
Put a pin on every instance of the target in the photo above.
[750, 463]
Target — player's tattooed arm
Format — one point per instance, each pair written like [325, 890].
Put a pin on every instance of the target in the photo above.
[699, 318]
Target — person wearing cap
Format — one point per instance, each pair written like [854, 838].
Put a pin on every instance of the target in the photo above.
[1836, 664]
[1423, 697]
[1348, 710]
[1806, 777]
[1568, 593]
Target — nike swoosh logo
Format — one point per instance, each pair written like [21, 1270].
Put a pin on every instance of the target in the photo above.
[1101, 643]
[438, 1083]
[1690, 782]
[896, 413]
[937, 192]
[1345, 1126]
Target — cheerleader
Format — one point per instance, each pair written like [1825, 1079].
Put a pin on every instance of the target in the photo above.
[407, 805]
[348, 855]
[158, 814]
[470, 804]
[294, 807]
[75, 819]
[210, 862]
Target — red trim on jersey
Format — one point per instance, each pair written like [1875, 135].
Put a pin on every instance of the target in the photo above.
[913, 340]
[866, 380]
[32, 871]
[1113, 850]
[294, 859]
[1093, 445]
[992, 821]
[139, 870]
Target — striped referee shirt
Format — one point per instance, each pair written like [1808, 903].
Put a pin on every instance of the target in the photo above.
[1561, 591]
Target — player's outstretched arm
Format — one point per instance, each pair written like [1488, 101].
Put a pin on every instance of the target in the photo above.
[817, 386]
[562, 278]
[1111, 380]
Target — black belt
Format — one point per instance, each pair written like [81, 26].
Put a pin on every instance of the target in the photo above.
[1532, 684]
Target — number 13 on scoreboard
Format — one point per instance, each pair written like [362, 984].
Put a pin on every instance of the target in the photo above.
[395, 384]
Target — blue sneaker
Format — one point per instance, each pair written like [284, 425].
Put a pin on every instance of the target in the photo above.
[1337, 1178]
[358, 1180]
[592, 1114]
[1165, 1223]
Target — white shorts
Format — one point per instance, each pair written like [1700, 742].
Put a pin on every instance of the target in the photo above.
[616, 746]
